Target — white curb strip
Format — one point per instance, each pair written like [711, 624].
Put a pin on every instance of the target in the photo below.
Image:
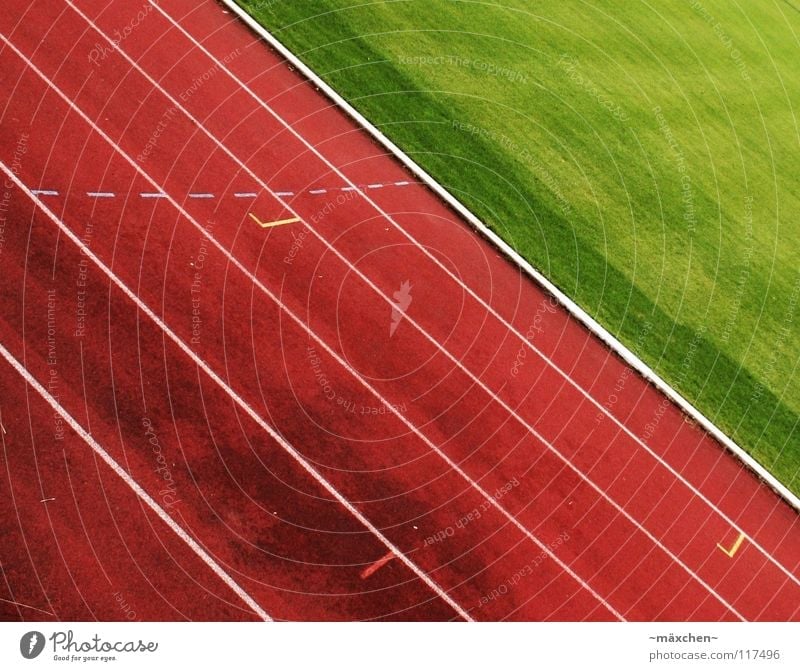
[621, 350]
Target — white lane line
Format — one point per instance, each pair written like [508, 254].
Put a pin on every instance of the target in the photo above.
[600, 406]
[318, 191]
[344, 188]
[123, 474]
[402, 183]
[248, 194]
[146, 194]
[283, 193]
[201, 195]
[25, 605]
[375, 186]
[100, 194]
[453, 465]
[434, 586]
[44, 192]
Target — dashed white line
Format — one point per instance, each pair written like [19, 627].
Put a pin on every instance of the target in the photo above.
[238, 194]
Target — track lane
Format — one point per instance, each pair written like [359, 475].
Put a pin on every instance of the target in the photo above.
[76, 520]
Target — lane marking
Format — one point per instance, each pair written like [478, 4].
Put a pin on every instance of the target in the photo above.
[123, 474]
[277, 437]
[372, 568]
[542, 281]
[2, 426]
[271, 224]
[238, 194]
[51, 498]
[541, 438]
[735, 548]
[25, 605]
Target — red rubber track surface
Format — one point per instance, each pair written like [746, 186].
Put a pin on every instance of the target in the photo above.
[279, 409]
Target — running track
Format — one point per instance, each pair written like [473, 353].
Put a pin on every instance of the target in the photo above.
[207, 419]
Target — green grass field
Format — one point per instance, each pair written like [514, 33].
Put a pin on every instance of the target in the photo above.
[644, 156]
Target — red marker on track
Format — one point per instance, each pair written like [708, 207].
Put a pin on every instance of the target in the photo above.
[367, 572]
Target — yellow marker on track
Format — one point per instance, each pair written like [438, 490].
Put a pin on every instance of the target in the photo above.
[734, 549]
[270, 224]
